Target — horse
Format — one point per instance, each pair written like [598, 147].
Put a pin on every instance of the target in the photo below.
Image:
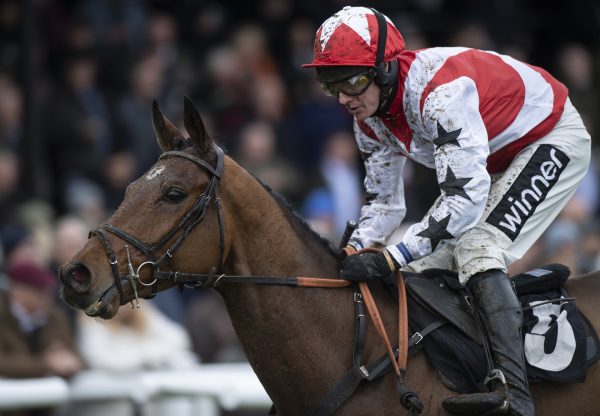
[197, 211]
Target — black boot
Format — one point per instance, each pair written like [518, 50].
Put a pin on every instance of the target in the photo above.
[502, 316]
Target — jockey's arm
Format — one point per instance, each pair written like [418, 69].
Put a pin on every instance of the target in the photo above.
[384, 208]
[460, 142]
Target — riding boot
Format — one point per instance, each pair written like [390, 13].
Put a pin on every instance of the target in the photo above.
[501, 313]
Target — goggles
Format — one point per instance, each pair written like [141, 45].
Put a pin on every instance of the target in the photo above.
[352, 86]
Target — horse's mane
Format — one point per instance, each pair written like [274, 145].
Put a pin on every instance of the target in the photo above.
[297, 222]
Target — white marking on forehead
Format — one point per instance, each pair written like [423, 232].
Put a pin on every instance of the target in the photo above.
[353, 17]
[157, 170]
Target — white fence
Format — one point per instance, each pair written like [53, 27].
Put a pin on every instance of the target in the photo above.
[203, 390]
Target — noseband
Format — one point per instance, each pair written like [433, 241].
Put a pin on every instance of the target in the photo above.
[185, 226]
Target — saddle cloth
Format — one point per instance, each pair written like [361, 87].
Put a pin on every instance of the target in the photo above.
[559, 342]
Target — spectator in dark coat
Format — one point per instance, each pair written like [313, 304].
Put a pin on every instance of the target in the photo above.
[35, 337]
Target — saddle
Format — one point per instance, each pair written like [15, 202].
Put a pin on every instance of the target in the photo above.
[559, 341]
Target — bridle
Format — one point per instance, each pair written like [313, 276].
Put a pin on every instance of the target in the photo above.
[185, 226]
[179, 233]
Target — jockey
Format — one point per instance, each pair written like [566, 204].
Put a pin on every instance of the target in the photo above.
[509, 150]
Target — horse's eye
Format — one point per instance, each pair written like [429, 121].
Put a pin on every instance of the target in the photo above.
[175, 195]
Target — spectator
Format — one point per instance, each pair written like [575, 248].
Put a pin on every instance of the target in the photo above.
[257, 152]
[10, 194]
[314, 118]
[11, 112]
[319, 211]
[70, 234]
[342, 174]
[35, 338]
[135, 339]
[250, 44]
[214, 340]
[133, 112]
[576, 66]
[79, 130]
[589, 260]
[11, 18]
[299, 51]
[269, 98]
[19, 246]
[87, 200]
[561, 241]
[224, 86]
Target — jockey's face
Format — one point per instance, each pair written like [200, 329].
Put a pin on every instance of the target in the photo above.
[363, 105]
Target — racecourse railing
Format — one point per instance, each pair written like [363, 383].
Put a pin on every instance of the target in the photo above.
[206, 390]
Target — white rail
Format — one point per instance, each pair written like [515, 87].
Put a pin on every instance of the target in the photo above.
[206, 389]
[33, 393]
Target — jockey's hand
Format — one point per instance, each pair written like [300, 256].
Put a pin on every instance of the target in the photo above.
[368, 266]
[345, 252]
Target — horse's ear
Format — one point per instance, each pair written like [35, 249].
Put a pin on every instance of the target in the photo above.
[165, 131]
[195, 126]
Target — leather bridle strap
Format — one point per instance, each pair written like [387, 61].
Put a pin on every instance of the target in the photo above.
[215, 171]
[185, 226]
[112, 256]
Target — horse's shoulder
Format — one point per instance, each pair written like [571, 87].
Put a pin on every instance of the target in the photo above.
[585, 288]
[591, 279]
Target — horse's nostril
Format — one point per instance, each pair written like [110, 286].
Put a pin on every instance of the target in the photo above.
[78, 273]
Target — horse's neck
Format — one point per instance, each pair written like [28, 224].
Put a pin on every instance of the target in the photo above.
[279, 325]
[264, 239]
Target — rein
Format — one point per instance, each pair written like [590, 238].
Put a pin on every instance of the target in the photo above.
[362, 295]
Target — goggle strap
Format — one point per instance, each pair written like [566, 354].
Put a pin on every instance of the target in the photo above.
[382, 37]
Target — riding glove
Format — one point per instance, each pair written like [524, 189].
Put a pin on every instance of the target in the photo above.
[368, 266]
[345, 252]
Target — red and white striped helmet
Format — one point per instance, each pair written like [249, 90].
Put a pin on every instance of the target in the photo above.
[350, 38]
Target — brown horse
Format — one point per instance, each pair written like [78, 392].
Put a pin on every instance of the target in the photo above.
[298, 340]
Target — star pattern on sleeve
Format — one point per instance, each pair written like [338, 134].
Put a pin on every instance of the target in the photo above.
[370, 197]
[436, 231]
[446, 137]
[455, 186]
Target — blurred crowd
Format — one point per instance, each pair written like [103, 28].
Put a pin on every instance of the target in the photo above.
[77, 79]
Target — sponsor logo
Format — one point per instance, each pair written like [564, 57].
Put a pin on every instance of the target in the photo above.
[529, 189]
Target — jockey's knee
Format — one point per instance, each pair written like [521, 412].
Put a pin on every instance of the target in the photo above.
[477, 251]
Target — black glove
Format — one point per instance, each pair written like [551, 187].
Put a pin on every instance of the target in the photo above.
[367, 266]
[343, 253]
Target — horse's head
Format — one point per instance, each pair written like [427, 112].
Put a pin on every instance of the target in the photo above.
[176, 197]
